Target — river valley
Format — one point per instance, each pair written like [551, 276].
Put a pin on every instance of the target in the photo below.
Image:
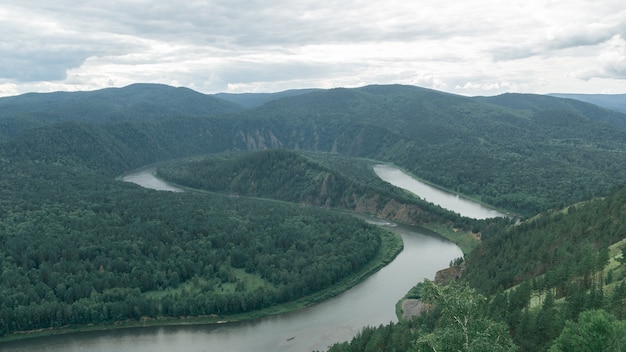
[338, 319]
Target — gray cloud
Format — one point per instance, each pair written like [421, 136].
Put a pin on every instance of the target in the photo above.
[609, 63]
[221, 44]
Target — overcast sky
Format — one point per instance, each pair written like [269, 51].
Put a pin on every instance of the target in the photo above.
[473, 47]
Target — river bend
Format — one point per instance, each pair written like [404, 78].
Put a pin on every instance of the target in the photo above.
[370, 303]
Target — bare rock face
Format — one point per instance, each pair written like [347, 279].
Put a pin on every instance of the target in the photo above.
[412, 308]
[445, 276]
[396, 211]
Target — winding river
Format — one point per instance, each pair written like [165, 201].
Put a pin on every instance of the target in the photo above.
[372, 303]
[463, 206]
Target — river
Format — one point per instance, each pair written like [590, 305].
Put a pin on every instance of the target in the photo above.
[460, 205]
[371, 302]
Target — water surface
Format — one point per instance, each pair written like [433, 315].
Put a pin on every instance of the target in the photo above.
[446, 200]
[338, 319]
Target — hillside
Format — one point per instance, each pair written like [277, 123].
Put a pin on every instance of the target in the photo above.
[552, 244]
[302, 179]
[615, 102]
[145, 102]
[556, 282]
[558, 266]
[520, 159]
[524, 161]
[79, 247]
[253, 100]
[589, 108]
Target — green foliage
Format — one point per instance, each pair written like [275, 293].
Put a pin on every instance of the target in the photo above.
[384, 338]
[595, 331]
[558, 245]
[559, 260]
[80, 248]
[464, 324]
[520, 159]
[134, 102]
[311, 179]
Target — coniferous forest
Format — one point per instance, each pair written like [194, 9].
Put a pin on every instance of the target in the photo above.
[276, 179]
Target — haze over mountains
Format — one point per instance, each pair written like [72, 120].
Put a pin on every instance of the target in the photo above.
[615, 102]
[494, 148]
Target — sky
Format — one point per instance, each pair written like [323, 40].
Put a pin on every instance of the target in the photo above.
[470, 47]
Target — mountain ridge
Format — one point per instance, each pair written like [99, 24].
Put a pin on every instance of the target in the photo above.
[502, 152]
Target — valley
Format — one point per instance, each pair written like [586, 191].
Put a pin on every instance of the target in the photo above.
[81, 248]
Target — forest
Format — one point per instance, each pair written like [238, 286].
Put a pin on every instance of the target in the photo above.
[498, 150]
[79, 248]
[270, 172]
[315, 179]
[560, 286]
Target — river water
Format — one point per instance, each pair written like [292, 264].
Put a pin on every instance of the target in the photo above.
[338, 319]
[464, 207]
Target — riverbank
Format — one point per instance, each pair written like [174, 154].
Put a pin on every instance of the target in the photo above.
[466, 240]
[391, 246]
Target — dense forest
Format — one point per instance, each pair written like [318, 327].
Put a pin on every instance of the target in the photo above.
[310, 179]
[499, 150]
[80, 247]
[555, 282]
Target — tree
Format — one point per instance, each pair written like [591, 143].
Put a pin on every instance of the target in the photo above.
[464, 325]
[596, 331]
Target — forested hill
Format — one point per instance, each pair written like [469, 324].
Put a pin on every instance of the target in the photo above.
[535, 103]
[562, 265]
[556, 283]
[514, 157]
[252, 100]
[134, 102]
[615, 102]
[302, 179]
[521, 160]
[558, 246]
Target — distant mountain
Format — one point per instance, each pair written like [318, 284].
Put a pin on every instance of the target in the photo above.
[79, 247]
[567, 102]
[134, 102]
[523, 153]
[615, 102]
[252, 100]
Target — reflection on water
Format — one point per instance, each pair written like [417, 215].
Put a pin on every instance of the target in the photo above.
[434, 195]
[146, 178]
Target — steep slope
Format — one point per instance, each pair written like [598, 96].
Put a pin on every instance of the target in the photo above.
[297, 178]
[564, 271]
[522, 160]
[555, 267]
[560, 245]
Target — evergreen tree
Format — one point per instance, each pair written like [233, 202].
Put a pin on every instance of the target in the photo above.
[596, 331]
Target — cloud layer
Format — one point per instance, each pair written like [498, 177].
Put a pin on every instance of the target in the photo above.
[477, 47]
